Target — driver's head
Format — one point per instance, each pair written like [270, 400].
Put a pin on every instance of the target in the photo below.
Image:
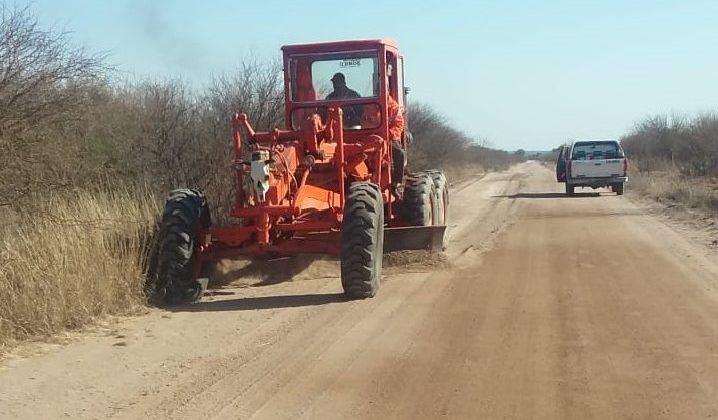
[338, 81]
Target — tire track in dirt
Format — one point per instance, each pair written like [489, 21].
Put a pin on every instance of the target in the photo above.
[229, 388]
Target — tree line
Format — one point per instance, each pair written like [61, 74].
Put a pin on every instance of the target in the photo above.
[687, 145]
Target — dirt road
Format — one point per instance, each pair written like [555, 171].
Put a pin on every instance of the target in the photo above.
[549, 307]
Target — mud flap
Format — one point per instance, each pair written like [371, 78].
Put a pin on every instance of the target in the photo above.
[430, 238]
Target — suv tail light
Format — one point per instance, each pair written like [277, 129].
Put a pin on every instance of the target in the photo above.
[625, 167]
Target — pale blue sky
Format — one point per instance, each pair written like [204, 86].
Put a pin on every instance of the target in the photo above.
[518, 73]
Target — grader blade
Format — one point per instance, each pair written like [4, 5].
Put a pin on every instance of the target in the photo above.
[430, 238]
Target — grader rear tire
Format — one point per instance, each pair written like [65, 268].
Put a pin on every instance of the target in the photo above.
[185, 211]
[362, 241]
[441, 186]
[420, 206]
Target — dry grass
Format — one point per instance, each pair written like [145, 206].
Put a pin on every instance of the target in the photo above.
[458, 173]
[72, 260]
[669, 187]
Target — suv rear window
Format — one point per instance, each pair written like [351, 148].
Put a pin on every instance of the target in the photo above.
[588, 150]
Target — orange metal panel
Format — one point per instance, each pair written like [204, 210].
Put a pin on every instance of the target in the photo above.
[314, 198]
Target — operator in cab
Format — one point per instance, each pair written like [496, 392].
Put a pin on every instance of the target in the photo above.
[341, 91]
[352, 114]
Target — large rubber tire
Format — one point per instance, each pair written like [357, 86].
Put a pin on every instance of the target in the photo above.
[185, 212]
[441, 188]
[618, 188]
[419, 204]
[362, 240]
[441, 191]
[569, 189]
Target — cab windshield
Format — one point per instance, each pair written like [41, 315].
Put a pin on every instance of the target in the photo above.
[334, 76]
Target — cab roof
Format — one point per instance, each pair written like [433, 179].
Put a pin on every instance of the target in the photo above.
[331, 46]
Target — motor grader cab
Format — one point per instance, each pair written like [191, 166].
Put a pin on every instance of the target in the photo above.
[323, 184]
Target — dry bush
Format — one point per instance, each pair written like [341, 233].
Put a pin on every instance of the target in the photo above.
[458, 173]
[675, 159]
[437, 144]
[549, 157]
[168, 149]
[74, 259]
[667, 185]
[43, 77]
[255, 88]
[172, 136]
[44, 84]
[690, 145]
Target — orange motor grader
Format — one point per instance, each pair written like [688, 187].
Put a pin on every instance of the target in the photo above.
[323, 184]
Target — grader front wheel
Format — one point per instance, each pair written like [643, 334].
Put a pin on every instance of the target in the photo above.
[362, 241]
[185, 211]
